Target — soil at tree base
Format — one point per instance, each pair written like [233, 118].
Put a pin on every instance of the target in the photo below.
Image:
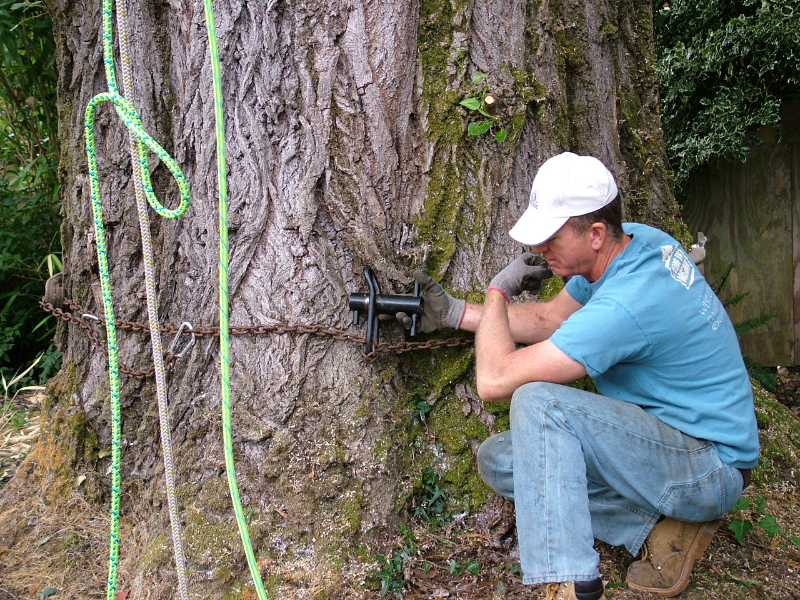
[470, 558]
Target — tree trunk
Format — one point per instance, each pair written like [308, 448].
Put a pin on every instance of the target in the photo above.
[346, 148]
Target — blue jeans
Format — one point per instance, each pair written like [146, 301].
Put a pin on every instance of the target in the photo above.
[583, 466]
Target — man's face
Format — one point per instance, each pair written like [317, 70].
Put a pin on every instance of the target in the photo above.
[567, 253]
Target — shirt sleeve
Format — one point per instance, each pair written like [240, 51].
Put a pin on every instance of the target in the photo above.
[578, 288]
[600, 335]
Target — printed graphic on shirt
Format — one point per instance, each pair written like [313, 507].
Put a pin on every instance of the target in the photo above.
[711, 308]
[679, 264]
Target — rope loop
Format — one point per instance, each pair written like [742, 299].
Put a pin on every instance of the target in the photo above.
[131, 119]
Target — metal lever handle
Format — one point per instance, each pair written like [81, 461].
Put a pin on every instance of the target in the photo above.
[375, 303]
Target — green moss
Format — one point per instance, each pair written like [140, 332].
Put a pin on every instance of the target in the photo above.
[156, 552]
[69, 445]
[471, 491]
[551, 288]
[451, 429]
[779, 432]
[527, 89]
[501, 412]
[571, 48]
[213, 543]
[451, 367]
[562, 124]
[350, 507]
[439, 221]
[85, 446]
[609, 29]
[453, 433]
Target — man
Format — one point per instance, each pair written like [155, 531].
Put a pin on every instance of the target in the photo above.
[665, 448]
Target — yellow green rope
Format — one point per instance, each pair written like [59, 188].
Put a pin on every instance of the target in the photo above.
[224, 302]
[131, 119]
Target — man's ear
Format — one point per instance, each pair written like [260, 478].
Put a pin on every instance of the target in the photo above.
[597, 235]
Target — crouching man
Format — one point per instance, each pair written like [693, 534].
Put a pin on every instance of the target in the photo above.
[665, 448]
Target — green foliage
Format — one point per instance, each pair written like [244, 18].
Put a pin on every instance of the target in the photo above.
[486, 122]
[432, 500]
[723, 66]
[421, 409]
[754, 514]
[392, 571]
[515, 569]
[765, 376]
[29, 230]
[430, 510]
[470, 566]
[12, 417]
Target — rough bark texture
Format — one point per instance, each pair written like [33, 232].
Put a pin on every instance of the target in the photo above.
[346, 147]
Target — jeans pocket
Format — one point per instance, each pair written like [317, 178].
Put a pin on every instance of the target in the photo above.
[703, 499]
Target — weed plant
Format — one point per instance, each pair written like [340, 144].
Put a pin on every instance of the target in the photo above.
[29, 190]
[751, 514]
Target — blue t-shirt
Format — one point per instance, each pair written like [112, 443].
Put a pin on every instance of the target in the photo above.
[652, 332]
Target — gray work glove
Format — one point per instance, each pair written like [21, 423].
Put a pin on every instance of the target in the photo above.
[441, 309]
[525, 273]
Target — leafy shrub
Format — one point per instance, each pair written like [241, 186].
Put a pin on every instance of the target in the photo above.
[29, 229]
[723, 66]
[752, 514]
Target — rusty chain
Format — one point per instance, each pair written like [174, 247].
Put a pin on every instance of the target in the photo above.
[79, 316]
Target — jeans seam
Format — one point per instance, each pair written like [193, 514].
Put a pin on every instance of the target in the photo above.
[715, 474]
[547, 520]
[611, 425]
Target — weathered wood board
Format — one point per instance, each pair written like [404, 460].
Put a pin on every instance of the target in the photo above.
[749, 212]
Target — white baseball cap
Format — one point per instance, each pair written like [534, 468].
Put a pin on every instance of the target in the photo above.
[566, 185]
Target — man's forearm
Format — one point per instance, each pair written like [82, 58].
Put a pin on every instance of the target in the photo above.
[493, 341]
[501, 367]
[527, 322]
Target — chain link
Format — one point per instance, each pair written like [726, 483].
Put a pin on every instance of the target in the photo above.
[277, 328]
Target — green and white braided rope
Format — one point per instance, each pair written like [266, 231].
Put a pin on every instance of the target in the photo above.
[125, 109]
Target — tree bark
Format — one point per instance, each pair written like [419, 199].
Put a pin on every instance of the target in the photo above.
[347, 148]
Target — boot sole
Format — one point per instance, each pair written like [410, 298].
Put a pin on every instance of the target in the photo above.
[698, 547]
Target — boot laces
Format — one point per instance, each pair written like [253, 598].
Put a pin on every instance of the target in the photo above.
[556, 591]
[646, 552]
[647, 555]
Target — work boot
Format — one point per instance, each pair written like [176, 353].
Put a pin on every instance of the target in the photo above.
[668, 556]
[576, 590]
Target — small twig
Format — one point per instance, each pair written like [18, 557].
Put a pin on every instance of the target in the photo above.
[4, 590]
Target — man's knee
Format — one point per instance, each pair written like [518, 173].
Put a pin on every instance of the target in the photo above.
[495, 463]
[532, 398]
[495, 453]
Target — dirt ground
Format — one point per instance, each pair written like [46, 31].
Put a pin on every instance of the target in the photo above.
[470, 558]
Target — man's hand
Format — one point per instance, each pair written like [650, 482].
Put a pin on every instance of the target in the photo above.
[525, 273]
[441, 309]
